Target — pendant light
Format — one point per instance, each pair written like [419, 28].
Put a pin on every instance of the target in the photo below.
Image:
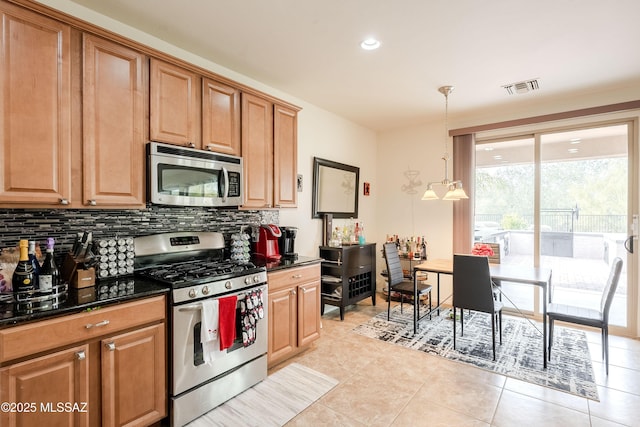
[454, 188]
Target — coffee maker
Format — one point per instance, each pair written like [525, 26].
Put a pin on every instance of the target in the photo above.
[286, 242]
[266, 244]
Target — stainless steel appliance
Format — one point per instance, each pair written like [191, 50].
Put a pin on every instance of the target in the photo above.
[194, 265]
[187, 177]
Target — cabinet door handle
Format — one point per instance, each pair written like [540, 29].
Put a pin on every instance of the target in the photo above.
[92, 325]
[209, 147]
[190, 145]
[293, 292]
[111, 346]
[297, 276]
[80, 355]
[92, 202]
[64, 201]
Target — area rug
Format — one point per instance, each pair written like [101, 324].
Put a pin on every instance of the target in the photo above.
[519, 356]
[272, 402]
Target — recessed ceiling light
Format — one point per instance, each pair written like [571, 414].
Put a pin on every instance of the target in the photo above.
[572, 150]
[488, 149]
[575, 141]
[497, 157]
[370, 44]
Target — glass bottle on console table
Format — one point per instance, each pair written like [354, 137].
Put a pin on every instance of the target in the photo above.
[23, 275]
[49, 273]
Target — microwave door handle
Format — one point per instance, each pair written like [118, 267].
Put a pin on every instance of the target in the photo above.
[225, 192]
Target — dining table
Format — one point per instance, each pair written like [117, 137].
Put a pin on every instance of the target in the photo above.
[523, 274]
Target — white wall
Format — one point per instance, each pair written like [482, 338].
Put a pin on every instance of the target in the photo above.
[418, 148]
[325, 135]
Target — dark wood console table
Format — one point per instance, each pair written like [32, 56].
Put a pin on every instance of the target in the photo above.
[348, 275]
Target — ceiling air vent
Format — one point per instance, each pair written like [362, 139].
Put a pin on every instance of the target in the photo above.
[522, 87]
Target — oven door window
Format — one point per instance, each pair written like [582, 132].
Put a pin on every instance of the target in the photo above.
[198, 358]
[175, 180]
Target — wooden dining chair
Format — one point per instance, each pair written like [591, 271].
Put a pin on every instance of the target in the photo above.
[473, 290]
[587, 316]
[397, 282]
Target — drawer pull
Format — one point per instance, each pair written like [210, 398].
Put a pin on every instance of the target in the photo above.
[103, 323]
[80, 355]
[297, 276]
[111, 346]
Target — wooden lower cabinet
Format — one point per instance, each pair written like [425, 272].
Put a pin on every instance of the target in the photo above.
[133, 377]
[294, 311]
[40, 388]
[115, 377]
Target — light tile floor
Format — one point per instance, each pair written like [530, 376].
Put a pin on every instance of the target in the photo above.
[383, 384]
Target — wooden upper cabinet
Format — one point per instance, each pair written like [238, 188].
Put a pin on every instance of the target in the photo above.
[35, 108]
[257, 151]
[114, 123]
[285, 157]
[220, 117]
[174, 105]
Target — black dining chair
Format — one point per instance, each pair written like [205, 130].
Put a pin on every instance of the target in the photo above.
[473, 290]
[397, 282]
[588, 316]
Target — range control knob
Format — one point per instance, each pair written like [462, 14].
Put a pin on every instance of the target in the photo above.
[247, 280]
[192, 293]
[205, 290]
[256, 279]
[228, 284]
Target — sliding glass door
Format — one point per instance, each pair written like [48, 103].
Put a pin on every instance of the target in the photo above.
[559, 200]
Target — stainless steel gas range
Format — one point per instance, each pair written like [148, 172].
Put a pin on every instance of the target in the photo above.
[203, 376]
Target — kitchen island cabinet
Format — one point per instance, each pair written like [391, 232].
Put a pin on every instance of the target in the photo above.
[110, 361]
[294, 311]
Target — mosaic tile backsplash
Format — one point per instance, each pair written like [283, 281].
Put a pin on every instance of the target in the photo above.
[63, 224]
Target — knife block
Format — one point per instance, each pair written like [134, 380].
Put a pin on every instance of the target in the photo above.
[75, 274]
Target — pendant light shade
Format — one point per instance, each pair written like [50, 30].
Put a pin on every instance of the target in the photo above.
[455, 190]
[429, 194]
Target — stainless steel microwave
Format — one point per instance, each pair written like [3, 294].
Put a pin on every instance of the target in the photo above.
[179, 176]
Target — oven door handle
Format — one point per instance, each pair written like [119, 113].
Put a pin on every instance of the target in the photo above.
[194, 307]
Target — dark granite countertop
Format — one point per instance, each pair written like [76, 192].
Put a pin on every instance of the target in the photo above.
[284, 263]
[106, 292]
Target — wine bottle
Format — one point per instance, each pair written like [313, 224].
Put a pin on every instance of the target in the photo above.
[35, 264]
[23, 279]
[49, 273]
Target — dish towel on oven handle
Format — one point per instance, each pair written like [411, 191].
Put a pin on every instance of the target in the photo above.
[227, 321]
[209, 329]
[251, 310]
